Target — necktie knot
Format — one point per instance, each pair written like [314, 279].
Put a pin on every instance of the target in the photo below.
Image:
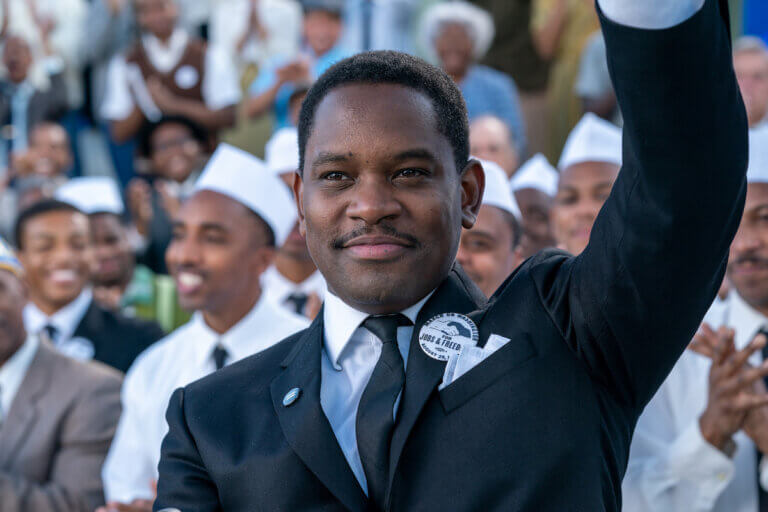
[385, 327]
[51, 333]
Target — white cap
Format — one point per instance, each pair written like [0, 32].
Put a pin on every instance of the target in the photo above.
[497, 192]
[536, 173]
[93, 194]
[282, 151]
[477, 21]
[757, 172]
[243, 177]
[592, 140]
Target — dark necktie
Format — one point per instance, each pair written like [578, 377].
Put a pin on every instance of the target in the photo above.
[52, 333]
[220, 356]
[297, 302]
[375, 413]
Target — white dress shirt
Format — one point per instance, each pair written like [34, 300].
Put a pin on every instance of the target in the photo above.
[65, 321]
[220, 83]
[671, 466]
[180, 358]
[349, 356]
[12, 373]
[278, 288]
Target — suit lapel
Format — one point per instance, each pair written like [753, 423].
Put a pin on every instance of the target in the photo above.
[90, 328]
[457, 294]
[304, 423]
[25, 408]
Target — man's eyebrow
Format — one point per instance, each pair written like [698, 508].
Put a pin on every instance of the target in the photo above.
[417, 153]
[329, 158]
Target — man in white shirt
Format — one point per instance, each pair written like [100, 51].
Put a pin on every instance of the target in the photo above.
[224, 238]
[534, 186]
[168, 72]
[292, 280]
[490, 251]
[686, 454]
[55, 247]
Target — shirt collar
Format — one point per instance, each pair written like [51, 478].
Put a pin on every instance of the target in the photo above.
[745, 320]
[166, 56]
[13, 371]
[246, 337]
[64, 320]
[280, 287]
[341, 320]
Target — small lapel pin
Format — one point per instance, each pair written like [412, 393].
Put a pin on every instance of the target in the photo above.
[291, 397]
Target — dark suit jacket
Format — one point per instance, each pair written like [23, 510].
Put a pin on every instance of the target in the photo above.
[47, 105]
[117, 339]
[543, 424]
[56, 434]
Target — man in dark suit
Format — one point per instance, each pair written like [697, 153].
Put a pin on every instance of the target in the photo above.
[352, 414]
[55, 245]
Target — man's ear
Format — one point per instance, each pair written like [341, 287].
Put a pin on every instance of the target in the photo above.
[472, 188]
[298, 196]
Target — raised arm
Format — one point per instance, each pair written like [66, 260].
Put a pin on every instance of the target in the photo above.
[658, 249]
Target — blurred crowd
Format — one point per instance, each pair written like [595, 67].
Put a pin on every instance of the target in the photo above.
[147, 153]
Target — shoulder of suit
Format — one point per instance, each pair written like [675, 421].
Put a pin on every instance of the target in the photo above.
[78, 375]
[253, 372]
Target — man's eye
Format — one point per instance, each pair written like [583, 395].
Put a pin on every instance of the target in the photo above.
[410, 173]
[333, 176]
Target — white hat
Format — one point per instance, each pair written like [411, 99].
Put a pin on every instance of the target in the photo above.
[757, 172]
[479, 24]
[92, 194]
[536, 173]
[497, 192]
[282, 151]
[592, 140]
[243, 177]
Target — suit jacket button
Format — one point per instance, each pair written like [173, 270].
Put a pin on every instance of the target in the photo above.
[291, 397]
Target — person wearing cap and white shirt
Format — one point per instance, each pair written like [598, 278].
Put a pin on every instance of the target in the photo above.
[292, 280]
[534, 187]
[224, 238]
[118, 282]
[689, 452]
[588, 167]
[490, 251]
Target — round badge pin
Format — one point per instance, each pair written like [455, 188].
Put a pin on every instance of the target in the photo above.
[186, 77]
[445, 334]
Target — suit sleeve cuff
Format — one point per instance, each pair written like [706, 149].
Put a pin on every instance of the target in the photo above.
[649, 14]
[696, 461]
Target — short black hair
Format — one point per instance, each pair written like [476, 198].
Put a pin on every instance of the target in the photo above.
[148, 129]
[39, 208]
[390, 67]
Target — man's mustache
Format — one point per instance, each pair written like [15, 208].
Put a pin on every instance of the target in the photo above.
[342, 241]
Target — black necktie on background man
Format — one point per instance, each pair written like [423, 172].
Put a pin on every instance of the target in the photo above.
[297, 301]
[220, 355]
[375, 414]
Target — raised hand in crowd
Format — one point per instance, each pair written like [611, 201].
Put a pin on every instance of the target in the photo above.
[295, 71]
[737, 397]
[254, 28]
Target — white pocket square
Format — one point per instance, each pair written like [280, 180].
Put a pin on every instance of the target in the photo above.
[468, 357]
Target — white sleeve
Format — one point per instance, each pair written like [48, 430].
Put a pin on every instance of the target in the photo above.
[221, 85]
[671, 466]
[650, 14]
[118, 102]
[764, 473]
[128, 468]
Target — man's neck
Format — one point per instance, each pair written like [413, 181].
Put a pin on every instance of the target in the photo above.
[296, 270]
[228, 315]
[48, 308]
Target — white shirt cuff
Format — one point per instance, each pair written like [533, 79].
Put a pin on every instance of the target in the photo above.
[764, 473]
[650, 14]
[693, 459]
